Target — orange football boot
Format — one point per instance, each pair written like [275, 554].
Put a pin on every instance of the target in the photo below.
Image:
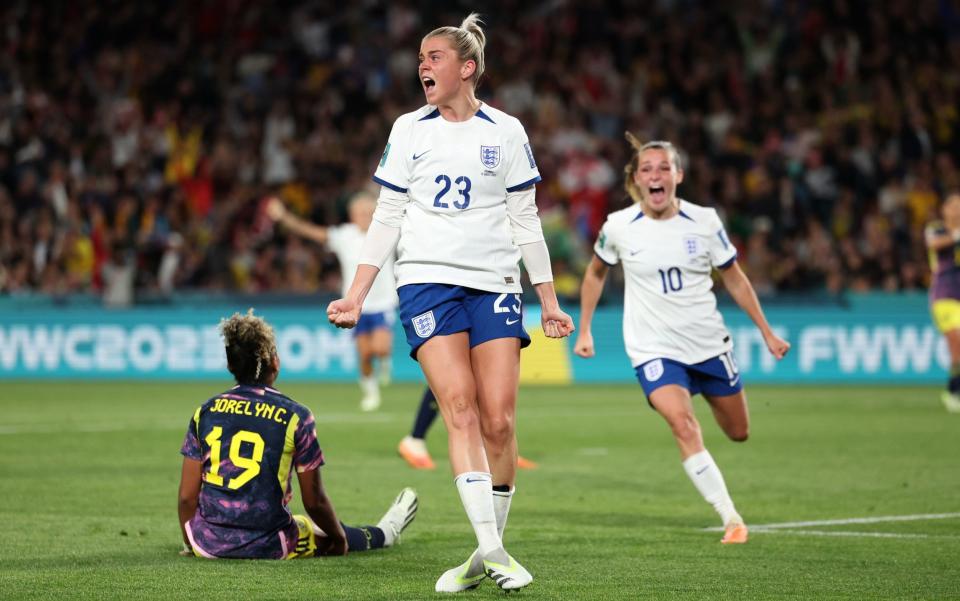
[525, 464]
[418, 458]
[735, 534]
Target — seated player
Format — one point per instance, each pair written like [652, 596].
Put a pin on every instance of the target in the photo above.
[239, 453]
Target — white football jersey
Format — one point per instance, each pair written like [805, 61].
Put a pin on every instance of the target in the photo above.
[456, 176]
[669, 310]
[346, 241]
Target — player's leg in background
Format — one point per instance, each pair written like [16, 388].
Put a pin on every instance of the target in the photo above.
[673, 402]
[946, 316]
[951, 398]
[368, 380]
[381, 344]
[731, 414]
[413, 447]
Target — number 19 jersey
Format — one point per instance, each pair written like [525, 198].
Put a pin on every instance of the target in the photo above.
[457, 175]
[669, 310]
[250, 440]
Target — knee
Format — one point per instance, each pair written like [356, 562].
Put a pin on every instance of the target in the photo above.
[497, 430]
[462, 412]
[739, 433]
[685, 427]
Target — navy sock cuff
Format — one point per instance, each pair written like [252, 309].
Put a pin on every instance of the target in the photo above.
[364, 538]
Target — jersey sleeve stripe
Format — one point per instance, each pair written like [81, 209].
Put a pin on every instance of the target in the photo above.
[387, 184]
[604, 261]
[728, 264]
[519, 187]
[286, 460]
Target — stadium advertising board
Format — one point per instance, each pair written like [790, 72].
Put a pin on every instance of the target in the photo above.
[888, 339]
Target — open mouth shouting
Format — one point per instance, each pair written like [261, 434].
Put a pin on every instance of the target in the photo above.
[657, 194]
[428, 83]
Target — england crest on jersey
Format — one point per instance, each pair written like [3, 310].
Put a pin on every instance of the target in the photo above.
[490, 156]
[692, 245]
[424, 324]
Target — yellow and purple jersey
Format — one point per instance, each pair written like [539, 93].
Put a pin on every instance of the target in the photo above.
[945, 267]
[250, 440]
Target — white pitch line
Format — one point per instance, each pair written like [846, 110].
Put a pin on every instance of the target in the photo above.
[853, 534]
[594, 451]
[847, 521]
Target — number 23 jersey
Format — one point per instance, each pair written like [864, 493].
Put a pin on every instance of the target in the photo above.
[456, 176]
[670, 310]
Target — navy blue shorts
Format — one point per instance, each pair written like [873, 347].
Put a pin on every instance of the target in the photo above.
[369, 322]
[428, 310]
[719, 376]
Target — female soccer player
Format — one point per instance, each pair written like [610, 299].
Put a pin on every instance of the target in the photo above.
[374, 331]
[674, 335]
[457, 190]
[943, 243]
[239, 453]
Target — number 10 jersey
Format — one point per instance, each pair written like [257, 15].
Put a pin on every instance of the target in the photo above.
[670, 311]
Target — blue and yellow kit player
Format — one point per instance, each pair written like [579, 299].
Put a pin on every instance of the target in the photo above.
[943, 245]
[240, 452]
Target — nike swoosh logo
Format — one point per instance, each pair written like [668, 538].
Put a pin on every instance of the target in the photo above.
[510, 322]
[469, 481]
[702, 469]
[734, 381]
[417, 156]
[633, 252]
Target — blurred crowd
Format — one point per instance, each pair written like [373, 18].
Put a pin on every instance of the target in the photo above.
[137, 140]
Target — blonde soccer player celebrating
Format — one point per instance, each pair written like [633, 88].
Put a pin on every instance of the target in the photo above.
[674, 335]
[457, 191]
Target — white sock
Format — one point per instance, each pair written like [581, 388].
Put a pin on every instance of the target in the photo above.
[501, 508]
[370, 387]
[706, 476]
[385, 368]
[476, 494]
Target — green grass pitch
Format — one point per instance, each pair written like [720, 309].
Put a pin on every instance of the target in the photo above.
[89, 472]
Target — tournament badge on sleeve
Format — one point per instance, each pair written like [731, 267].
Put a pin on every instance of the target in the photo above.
[424, 324]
